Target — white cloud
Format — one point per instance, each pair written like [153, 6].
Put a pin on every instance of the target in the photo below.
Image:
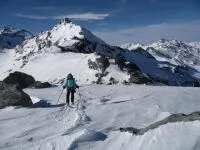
[189, 31]
[32, 16]
[83, 16]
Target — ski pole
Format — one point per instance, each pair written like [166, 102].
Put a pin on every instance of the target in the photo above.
[79, 94]
[79, 100]
[59, 96]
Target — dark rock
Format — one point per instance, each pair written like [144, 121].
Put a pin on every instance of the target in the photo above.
[129, 129]
[113, 81]
[170, 119]
[131, 67]
[100, 76]
[39, 85]
[125, 82]
[92, 65]
[191, 83]
[11, 95]
[65, 20]
[120, 61]
[21, 80]
[82, 46]
[140, 51]
[180, 69]
[138, 78]
[126, 66]
[101, 64]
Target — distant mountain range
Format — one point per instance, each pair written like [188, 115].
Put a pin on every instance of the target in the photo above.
[10, 37]
[176, 52]
[68, 47]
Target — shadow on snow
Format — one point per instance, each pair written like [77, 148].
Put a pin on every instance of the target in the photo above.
[46, 104]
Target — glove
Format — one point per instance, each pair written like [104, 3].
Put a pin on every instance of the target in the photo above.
[63, 87]
[77, 86]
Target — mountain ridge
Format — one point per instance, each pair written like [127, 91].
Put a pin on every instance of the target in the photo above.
[10, 37]
[68, 47]
[177, 52]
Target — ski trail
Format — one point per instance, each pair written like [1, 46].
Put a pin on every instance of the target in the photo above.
[85, 135]
[48, 126]
[72, 121]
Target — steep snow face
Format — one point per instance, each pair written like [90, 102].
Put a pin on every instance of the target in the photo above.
[9, 38]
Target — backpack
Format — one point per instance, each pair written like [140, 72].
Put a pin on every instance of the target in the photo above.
[71, 83]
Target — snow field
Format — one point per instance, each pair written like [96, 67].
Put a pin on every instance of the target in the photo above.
[99, 112]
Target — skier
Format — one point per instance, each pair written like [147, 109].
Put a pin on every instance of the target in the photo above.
[71, 86]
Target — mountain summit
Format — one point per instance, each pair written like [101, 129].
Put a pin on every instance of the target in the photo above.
[64, 37]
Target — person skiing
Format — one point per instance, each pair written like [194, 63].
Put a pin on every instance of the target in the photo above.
[71, 86]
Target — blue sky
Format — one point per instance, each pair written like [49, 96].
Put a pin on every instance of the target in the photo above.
[115, 21]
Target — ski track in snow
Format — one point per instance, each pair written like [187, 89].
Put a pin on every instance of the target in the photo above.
[94, 121]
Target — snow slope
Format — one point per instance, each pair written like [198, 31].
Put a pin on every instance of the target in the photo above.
[99, 112]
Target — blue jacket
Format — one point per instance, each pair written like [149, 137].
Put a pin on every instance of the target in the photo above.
[70, 83]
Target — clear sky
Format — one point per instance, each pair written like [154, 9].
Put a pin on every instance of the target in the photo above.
[115, 21]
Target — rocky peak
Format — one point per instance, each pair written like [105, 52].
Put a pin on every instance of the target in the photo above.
[66, 20]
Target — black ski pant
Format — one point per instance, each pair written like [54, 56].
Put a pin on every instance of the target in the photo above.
[70, 91]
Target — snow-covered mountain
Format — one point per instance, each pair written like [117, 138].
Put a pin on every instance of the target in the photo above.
[10, 37]
[194, 44]
[65, 37]
[68, 47]
[132, 46]
[176, 52]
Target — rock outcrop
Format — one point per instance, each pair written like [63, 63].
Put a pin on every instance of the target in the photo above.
[11, 95]
[171, 119]
[21, 80]
[40, 85]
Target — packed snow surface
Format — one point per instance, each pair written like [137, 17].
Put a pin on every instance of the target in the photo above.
[94, 121]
